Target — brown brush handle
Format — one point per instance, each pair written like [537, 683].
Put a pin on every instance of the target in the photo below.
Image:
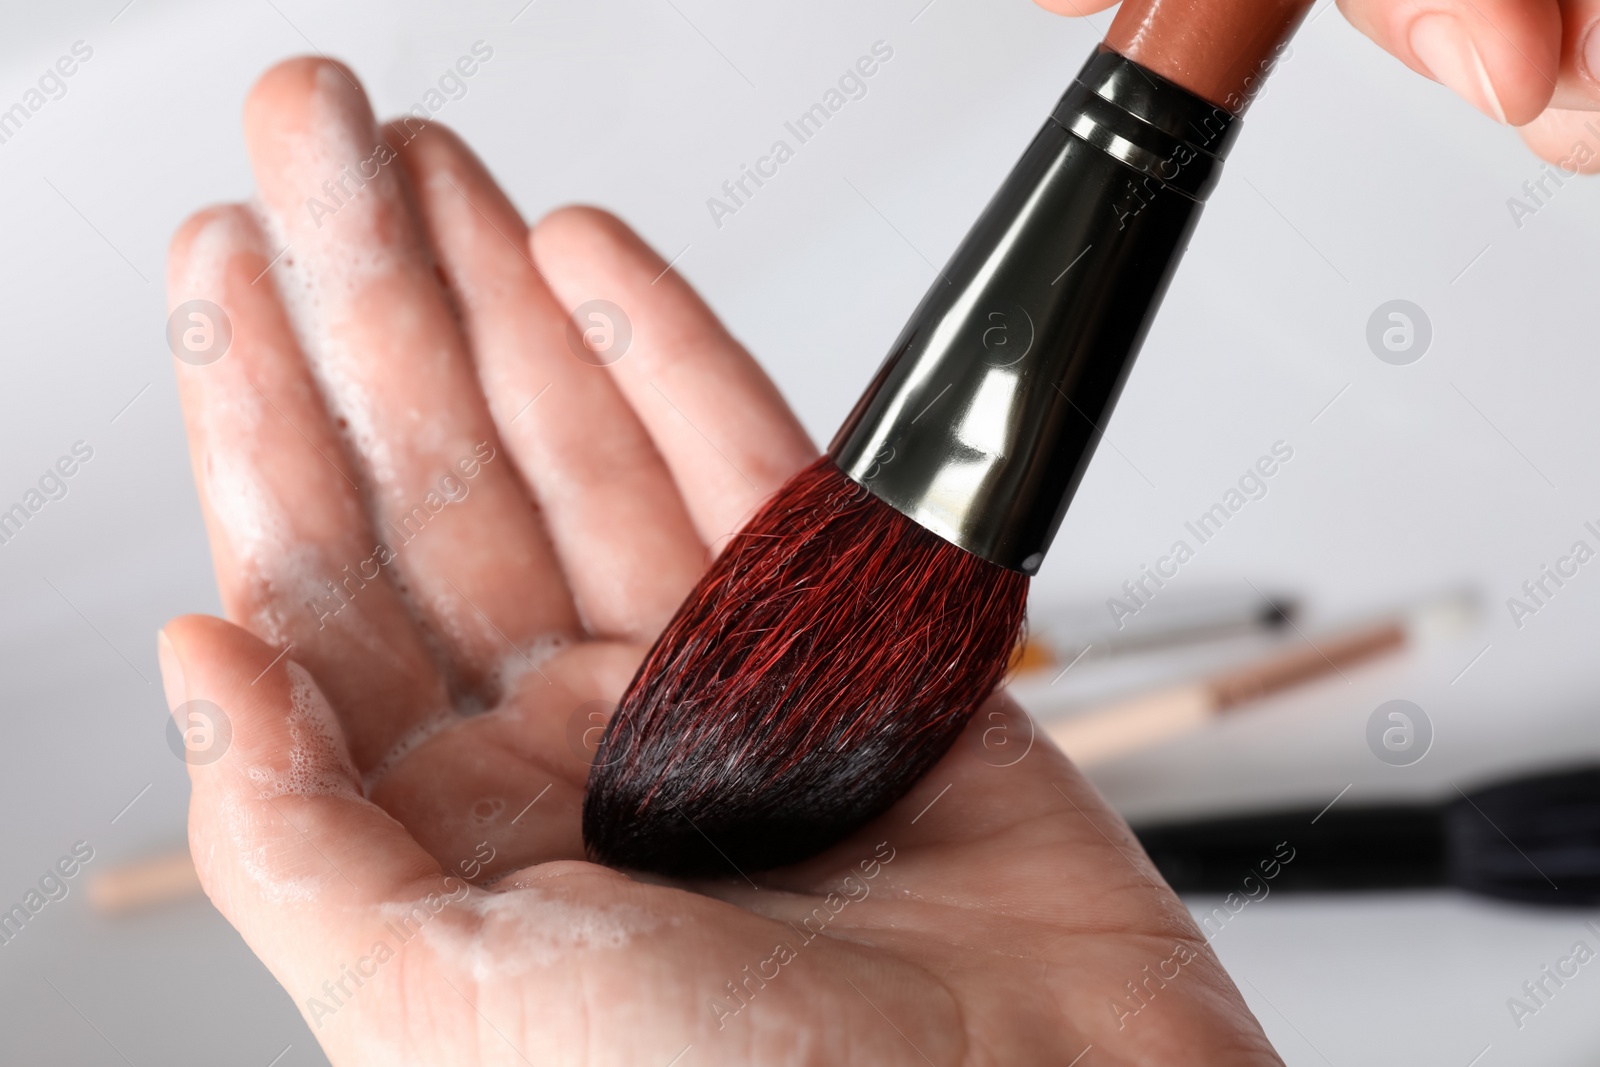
[1151, 718]
[1136, 723]
[1220, 50]
[1258, 680]
[146, 883]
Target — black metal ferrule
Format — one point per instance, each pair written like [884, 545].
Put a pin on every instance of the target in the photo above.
[980, 424]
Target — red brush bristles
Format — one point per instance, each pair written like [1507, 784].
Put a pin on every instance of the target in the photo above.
[828, 658]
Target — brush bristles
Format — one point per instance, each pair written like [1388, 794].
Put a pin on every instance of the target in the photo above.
[827, 659]
[1535, 839]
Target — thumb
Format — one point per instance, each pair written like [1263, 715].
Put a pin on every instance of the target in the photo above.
[285, 844]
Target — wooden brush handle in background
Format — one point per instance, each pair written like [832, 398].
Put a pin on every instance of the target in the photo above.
[1150, 718]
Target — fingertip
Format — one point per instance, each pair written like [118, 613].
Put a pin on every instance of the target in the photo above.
[256, 728]
[1075, 8]
[428, 139]
[1500, 57]
[581, 216]
[580, 244]
[583, 227]
[309, 128]
[189, 633]
[189, 230]
[172, 680]
[433, 154]
[717, 419]
[289, 88]
[202, 246]
[1566, 139]
[225, 665]
[578, 247]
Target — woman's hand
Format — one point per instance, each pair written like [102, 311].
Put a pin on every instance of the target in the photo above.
[1534, 64]
[445, 529]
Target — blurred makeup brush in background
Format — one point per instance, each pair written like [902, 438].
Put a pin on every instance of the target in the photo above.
[1148, 719]
[1054, 643]
[1534, 839]
[143, 883]
[836, 648]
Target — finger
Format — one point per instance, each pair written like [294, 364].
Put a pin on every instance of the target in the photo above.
[1568, 139]
[725, 432]
[1578, 84]
[477, 565]
[295, 558]
[618, 523]
[1075, 8]
[1502, 56]
[283, 841]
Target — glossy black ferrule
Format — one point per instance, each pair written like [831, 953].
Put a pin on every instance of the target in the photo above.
[980, 424]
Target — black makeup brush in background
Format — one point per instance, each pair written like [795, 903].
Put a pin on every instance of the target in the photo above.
[1535, 840]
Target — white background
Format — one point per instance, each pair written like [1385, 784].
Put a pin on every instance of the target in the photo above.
[1355, 182]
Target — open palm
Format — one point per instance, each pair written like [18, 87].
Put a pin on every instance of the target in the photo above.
[446, 522]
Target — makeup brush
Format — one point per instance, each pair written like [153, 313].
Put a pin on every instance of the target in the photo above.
[144, 883]
[1147, 719]
[835, 649]
[1172, 711]
[1534, 839]
[1050, 648]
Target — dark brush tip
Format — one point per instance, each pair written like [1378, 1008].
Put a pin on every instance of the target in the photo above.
[825, 661]
[1535, 840]
[1278, 613]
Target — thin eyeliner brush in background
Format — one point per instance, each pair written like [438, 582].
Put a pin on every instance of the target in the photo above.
[1054, 644]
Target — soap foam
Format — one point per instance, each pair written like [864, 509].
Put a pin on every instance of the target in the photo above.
[225, 234]
[319, 764]
[257, 845]
[332, 259]
[250, 518]
[514, 668]
[302, 288]
[521, 929]
[469, 233]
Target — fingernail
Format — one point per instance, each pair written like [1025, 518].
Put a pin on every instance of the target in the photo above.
[1589, 53]
[171, 671]
[1446, 49]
